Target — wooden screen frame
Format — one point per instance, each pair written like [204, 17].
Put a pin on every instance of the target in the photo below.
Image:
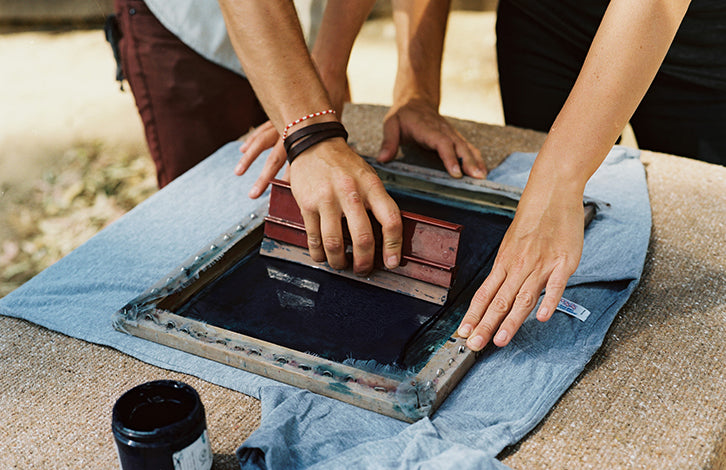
[151, 315]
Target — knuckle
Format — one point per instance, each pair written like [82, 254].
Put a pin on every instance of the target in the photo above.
[525, 299]
[471, 318]
[392, 219]
[570, 266]
[326, 198]
[393, 237]
[518, 262]
[333, 243]
[391, 222]
[392, 245]
[307, 206]
[557, 283]
[564, 260]
[374, 183]
[347, 184]
[486, 328]
[499, 304]
[354, 198]
[550, 302]
[365, 241]
[314, 242]
[482, 295]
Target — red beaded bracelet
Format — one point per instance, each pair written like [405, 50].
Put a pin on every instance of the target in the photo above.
[304, 118]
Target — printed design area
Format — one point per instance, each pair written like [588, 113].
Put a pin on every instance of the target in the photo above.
[337, 318]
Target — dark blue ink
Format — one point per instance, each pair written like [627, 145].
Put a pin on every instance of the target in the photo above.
[337, 318]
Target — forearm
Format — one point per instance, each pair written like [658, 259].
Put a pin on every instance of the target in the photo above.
[543, 244]
[625, 55]
[267, 38]
[420, 32]
[340, 26]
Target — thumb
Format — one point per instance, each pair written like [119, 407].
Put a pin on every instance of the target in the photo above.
[391, 139]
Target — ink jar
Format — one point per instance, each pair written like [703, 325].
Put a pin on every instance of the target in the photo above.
[161, 425]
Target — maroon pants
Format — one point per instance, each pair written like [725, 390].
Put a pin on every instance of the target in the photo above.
[189, 106]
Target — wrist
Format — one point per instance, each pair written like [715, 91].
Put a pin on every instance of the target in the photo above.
[410, 88]
[564, 164]
[312, 135]
[557, 178]
[335, 81]
[554, 181]
[410, 93]
[550, 203]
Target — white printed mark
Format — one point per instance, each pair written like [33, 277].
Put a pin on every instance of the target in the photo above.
[273, 273]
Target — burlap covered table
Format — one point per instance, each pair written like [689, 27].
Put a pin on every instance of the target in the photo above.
[652, 397]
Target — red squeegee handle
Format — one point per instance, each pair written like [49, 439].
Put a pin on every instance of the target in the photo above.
[429, 246]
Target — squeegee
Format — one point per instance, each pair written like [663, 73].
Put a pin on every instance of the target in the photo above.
[428, 256]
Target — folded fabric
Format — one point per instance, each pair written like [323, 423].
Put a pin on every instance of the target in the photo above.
[505, 394]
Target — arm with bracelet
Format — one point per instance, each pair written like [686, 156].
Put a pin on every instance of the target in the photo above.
[328, 179]
[338, 30]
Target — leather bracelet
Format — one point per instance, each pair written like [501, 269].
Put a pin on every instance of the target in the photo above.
[306, 131]
[301, 140]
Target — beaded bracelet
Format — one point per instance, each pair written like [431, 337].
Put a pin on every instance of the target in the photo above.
[304, 118]
[308, 136]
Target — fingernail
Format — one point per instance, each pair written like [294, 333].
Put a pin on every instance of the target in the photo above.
[392, 262]
[502, 336]
[477, 173]
[476, 342]
[465, 331]
[542, 313]
[238, 168]
[456, 172]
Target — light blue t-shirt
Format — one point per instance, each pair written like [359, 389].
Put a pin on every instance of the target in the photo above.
[200, 25]
[502, 397]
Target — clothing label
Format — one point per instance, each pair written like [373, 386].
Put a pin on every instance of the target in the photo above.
[196, 456]
[572, 309]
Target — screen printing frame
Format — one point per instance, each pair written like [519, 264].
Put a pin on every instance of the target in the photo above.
[411, 397]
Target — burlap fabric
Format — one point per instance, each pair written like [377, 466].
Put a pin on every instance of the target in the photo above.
[652, 397]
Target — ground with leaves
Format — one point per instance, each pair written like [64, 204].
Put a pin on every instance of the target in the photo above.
[89, 188]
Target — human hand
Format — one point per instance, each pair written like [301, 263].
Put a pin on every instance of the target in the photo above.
[266, 136]
[541, 249]
[420, 122]
[262, 138]
[330, 181]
